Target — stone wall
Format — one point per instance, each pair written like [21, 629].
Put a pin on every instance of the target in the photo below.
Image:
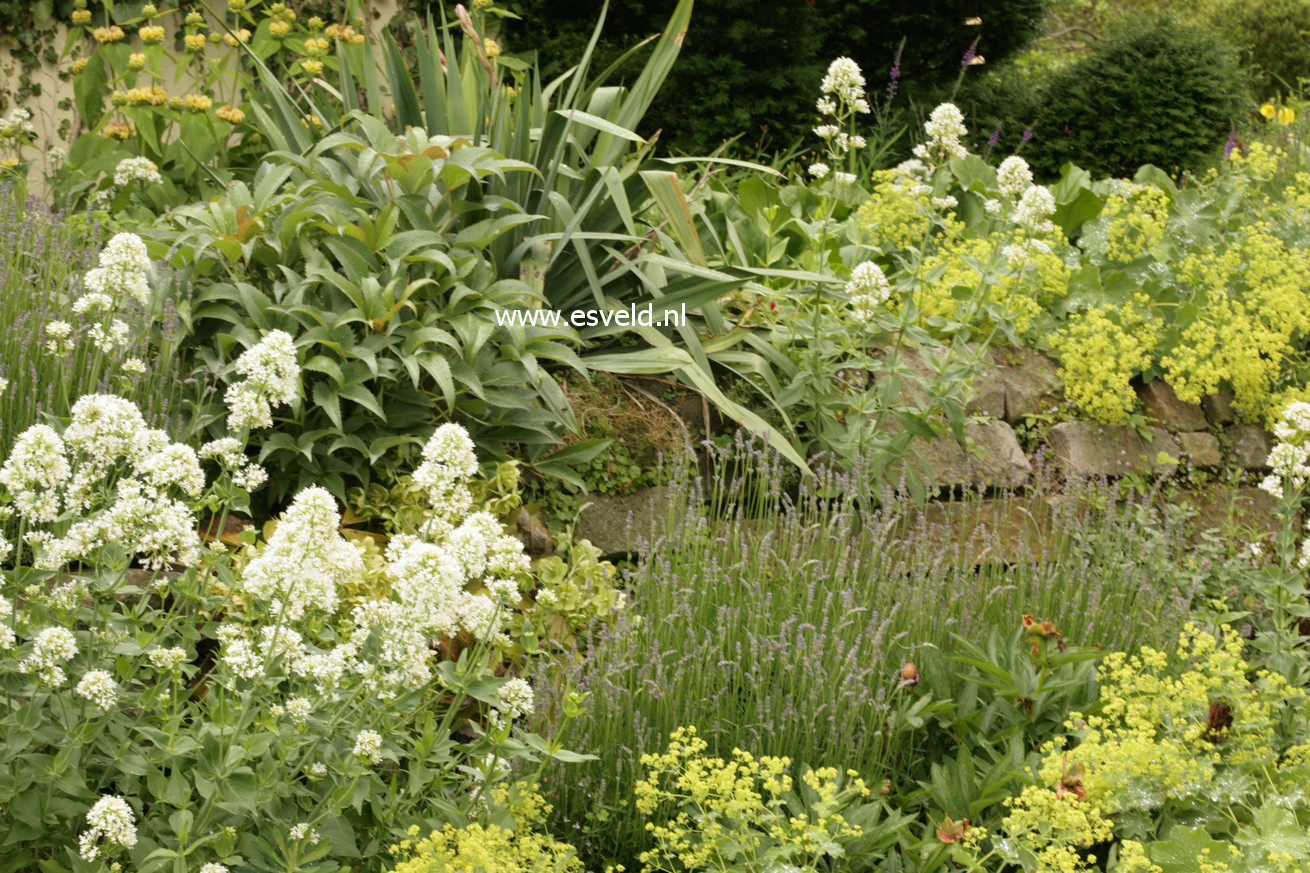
[1014, 386]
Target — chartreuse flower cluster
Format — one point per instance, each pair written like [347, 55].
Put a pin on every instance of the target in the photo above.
[1100, 350]
[743, 813]
[519, 848]
[1183, 740]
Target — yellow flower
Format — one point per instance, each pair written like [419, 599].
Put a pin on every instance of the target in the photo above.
[194, 19]
[279, 29]
[136, 61]
[1286, 115]
[197, 103]
[242, 35]
[491, 47]
[230, 114]
[1268, 111]
[79, 65]
[112, 33]
[312, 67]
[316, 47]
[8, 163]
[118, 130]
[82, 16]
[152, 34]
[194, 42]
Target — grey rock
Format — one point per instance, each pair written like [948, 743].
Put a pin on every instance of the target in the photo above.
[992, 459]
[1248, 446]
[1219, 407]
[1202, 449]
[619, 524]
[1248, 511]
[1162, 404]
[1015, 383]
[1085, 449]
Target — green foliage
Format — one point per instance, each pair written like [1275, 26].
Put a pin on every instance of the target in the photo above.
[1271, 36]
[784, 625]
[747, 69]
[43, 256]
[1165, 94]
[236, 708]
[374, 252]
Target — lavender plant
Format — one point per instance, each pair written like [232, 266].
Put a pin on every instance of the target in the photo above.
[70, 324]
[807, 627]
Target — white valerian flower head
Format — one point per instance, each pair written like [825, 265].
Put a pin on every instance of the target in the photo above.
[845, 81]
[306, 559]
[271, 379]
[946, 202]
[448, 462]
[99, 688]
[36, 472]
[124, 270]
[945, 126]
[303, 831]
[169, 659]
[826, 106]
[818, 169]
[52, 647]
[110, 821]
[1014, 176]
[214, 867]
[59, 337]
[240, 657]
[8, 639]
[992, 206]
[843, 178]
[368, 746]
[1033, 211]
[868, 289]
[298, 709]
[1294, 423]
[134, 367]
[516, 698]
[131, 170]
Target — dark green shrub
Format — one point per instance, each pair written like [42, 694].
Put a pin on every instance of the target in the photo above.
[753, 68]
[1165, 93]
[1272, 37]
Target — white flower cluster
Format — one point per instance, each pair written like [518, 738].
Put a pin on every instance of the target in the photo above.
[124, 270]
[844, 81]
[52, 647]
[131, 170]
[868, 289]
[303, 831]
[8, 639]
[110, 820]
[1014, 176]
[98, 687]
[121, 475]
[168, 659]
[227, 453]
[59, 337]
[839, 140]
[17, 124]
[107, 339]
[448, 462]
[1289, 459]
[1034, 210]
[272, 379]
[945, 126]
[368, 746]
[306, 559]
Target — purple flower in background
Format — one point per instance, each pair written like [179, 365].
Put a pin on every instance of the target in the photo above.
[969, 55]
[893, 79]
[1027, 134]
[994, 138]
[1231, 145]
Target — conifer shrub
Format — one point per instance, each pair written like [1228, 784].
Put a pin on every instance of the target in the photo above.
[1166, 94]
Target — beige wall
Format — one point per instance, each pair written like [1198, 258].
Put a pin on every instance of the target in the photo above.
[46, 115]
